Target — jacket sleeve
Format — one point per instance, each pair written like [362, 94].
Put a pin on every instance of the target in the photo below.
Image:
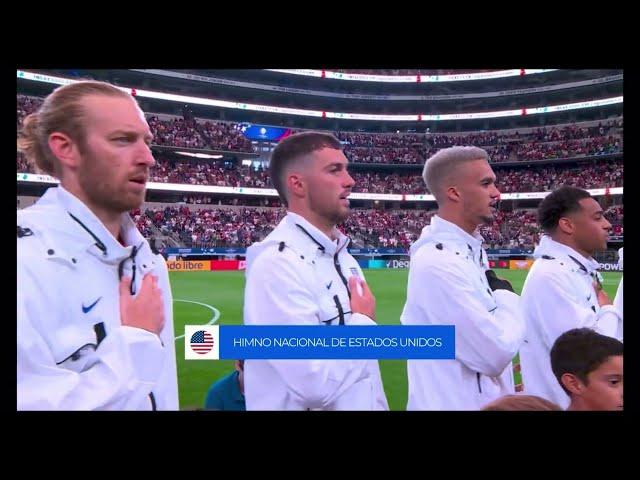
[617, 303]
[275, 294]
[166, 387]
[486, 341]
[374, 366]
[551, 298]
[118, 374]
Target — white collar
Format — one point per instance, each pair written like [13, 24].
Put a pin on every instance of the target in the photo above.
[439, 224]
[89, 225]
[321, 239]
[553, 248]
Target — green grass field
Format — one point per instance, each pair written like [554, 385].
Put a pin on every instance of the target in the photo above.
[224, 291]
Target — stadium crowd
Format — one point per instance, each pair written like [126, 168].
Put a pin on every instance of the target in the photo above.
[241, 226]
[368, 228]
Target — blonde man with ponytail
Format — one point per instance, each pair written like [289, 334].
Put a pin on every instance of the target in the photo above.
[95, 319]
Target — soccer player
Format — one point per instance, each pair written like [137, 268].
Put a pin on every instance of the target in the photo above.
[95, 325]
[302, 274]
[563, 288]
[450, 284]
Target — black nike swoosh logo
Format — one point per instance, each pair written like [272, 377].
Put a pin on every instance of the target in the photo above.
[328, 285]
[88, 309]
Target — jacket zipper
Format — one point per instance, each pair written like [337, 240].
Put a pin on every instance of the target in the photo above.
[336, 264]
[153, 401]
[340, 310]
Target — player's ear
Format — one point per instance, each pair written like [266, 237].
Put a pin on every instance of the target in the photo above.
[572, 383]
[565, 225]
[453, 194]
[64, 149]
[296, 185]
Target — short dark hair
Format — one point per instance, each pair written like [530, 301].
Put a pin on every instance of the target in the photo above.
[558, 204]
[581, 351]
[293, 148]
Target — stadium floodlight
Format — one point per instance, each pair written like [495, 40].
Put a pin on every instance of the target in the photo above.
[199, 155]
[455, 77]
[271, 192]
[415, 117]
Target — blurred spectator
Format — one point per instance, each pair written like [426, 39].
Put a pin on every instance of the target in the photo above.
[228, 392]
[513, 403]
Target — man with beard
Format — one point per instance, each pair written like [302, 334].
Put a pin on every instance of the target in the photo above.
[302, 274]
[95, 321]
[450, 284]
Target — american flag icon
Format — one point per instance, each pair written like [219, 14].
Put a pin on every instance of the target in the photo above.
[201, 342]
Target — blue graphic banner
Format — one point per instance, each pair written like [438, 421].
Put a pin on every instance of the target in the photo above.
[336, 342]
[264, 132]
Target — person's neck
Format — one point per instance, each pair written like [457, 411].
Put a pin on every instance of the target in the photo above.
[240, 382]
[457, 219]
[576, 406]
[569, 242]
[111, 220]
[317, 221]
